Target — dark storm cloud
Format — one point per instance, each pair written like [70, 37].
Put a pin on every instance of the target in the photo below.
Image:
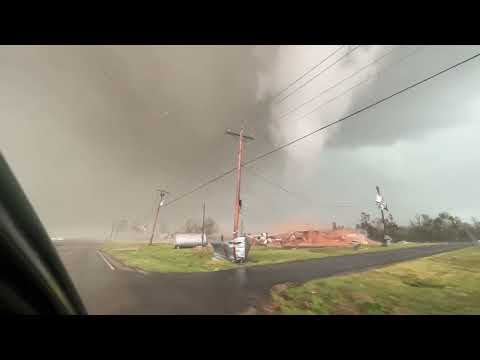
[91, 131]
[412, 115]
[101, 126]
[391, 145]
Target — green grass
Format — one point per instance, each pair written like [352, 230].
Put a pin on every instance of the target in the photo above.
[442, 284]
[164, 258]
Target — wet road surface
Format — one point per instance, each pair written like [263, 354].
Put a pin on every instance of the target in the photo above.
[107, 291]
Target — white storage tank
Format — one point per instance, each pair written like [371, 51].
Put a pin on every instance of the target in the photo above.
[188, 240]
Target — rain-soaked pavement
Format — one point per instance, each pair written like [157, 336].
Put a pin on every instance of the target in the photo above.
[237, 291]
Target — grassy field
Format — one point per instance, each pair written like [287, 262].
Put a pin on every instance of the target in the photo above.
[164, 258]
[442, 284]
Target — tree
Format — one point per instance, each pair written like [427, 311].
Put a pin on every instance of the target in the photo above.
[475, 228]
[391, 226]
[364, 221]
[421, 228]
[192, 226]
[444, 227]
[211, 226]
[374, 227]
[368, 226]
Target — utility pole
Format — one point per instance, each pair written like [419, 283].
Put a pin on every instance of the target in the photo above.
[113, 228]
[163, 193]
[117, 229]
[203, 224]
[236, 215]
[381, 205]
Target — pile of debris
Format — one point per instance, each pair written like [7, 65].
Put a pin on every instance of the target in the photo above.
[235, 250]
[319, 238]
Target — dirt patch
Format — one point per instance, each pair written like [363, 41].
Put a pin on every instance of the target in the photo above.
[266, 306]
[424, 284]
[268, 309]
[282, 288]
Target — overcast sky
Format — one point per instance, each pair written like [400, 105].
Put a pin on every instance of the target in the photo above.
[91, 131]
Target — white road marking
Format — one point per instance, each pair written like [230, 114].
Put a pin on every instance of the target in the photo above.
[106, 261]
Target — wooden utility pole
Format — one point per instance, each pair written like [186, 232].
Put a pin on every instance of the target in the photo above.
[237, 190]
[203, 224]
[163, 193]
[113, 229]
[236, 207]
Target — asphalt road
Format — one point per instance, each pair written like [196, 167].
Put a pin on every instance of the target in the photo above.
[107, 291]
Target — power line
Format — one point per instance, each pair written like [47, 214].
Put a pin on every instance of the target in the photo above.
[338, 83]
[296, 195]
[359, 111]
[318, 74]
[350, 76]
[308, 72]
[324, 127]
[301, 77]
[268, 181]
[369, 78]
[200, 186]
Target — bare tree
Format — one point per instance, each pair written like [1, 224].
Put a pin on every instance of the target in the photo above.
[192, 226]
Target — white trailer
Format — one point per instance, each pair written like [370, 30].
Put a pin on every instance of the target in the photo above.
[189, 240]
